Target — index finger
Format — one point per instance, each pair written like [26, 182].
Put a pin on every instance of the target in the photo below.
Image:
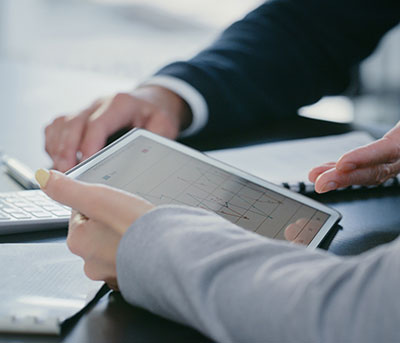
[384, 150]
[115, 208]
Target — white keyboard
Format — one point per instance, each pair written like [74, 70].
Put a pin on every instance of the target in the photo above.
[25, 211]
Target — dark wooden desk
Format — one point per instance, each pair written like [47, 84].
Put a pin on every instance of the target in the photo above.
[370, 217]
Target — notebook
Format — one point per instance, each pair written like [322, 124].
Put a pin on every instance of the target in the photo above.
[41, 286]
[288, 163]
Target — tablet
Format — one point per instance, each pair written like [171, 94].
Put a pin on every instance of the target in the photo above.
[167, 172]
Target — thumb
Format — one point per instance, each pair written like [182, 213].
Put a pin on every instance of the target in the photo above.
[112, 207]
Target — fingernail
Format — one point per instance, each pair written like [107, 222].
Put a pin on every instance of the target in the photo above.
[42, 177]
[329, 186]
[346, 167]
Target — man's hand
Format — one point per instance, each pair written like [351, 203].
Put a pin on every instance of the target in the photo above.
[100, 217]
[371, 164]
[153, 108]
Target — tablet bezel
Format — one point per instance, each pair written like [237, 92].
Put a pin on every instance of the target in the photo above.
[334, 216]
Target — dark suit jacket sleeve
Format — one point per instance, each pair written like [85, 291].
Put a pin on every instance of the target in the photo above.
[283, 55]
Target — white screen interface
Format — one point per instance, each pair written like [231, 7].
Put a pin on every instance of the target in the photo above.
[163, 175]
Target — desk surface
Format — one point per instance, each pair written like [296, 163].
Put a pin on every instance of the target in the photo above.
[370, 217]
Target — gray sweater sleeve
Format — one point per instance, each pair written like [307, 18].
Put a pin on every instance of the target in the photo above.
[194, 267]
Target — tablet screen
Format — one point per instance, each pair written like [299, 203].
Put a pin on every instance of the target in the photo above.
[164, 175]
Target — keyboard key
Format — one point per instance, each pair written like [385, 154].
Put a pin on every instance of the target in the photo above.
[52, 208]
[12, 199]
[61, 213]
[21, 215]
[41, 214]
[21, 203]
[10, 209]
[42, 202]
[4, 216]
[32, 208]
[32, 197]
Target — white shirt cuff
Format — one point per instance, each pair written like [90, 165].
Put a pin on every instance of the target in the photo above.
[191, 95]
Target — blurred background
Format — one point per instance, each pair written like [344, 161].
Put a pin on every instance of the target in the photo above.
[57, 56]
[121, 37]
[130, 39]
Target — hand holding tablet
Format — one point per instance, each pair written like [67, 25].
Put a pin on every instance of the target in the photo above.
[99, 219]
[166, 172]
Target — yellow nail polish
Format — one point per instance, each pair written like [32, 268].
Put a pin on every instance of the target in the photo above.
[42, 177]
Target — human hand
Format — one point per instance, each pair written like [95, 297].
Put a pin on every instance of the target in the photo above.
[154, 108]
[100, 217]
[371, 164]
[302, 231]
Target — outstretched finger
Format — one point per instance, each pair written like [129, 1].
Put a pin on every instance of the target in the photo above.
[384, 150]
[113, 114]
[317, 171]
[104, 204]
[64, 136]
[333, 179]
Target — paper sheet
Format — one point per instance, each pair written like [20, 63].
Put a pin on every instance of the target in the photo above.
[41, 286]
[290, 161]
